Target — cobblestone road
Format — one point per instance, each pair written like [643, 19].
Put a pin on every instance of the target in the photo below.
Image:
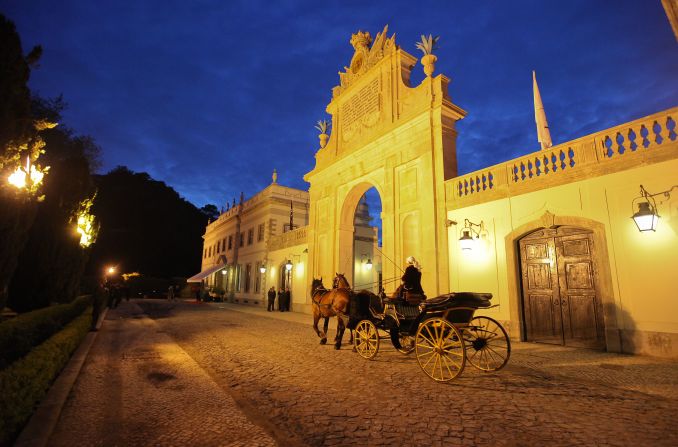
[139, 388]
[314, 395]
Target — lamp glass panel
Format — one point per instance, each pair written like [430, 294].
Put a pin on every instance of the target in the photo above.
[646, 222]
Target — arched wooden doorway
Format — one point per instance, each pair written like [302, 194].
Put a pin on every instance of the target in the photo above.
[560, 288]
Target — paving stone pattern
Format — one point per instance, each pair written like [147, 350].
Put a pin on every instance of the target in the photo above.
[305, 393]
[139, 388]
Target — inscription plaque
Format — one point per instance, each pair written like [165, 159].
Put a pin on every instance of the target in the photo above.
[362, 109]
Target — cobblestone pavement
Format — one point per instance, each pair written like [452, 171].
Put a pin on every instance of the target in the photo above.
[277, 372]
[139, 388]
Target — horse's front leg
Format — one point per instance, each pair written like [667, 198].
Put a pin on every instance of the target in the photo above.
[316, 319]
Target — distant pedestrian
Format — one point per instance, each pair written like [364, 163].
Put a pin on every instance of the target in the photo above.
[271, 299]
[170, 293]
[281, 299]
[286, 298]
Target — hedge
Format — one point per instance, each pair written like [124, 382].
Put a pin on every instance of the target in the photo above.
[25, 382]
[19, 335]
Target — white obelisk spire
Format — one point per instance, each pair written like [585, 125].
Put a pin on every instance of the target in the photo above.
[543, 134]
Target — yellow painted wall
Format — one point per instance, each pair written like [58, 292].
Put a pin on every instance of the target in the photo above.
[641, 268]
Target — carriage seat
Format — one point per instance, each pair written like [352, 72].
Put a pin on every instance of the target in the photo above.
[458, 299]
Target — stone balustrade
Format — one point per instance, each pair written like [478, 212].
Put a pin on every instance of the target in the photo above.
[289, 239]
[647, 140]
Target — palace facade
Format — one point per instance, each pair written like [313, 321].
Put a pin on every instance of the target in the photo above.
[549, 234]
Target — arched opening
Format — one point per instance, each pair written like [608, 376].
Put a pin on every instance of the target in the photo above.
[367, 259]
[360, 236]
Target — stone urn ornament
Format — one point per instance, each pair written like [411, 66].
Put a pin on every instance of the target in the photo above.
[427, 45]
[323, 126]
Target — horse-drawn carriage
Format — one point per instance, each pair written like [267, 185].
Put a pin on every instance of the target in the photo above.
[443, 332]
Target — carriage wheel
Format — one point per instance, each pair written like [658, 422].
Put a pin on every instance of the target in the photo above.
[366, 339]
[487, 343]
[440, 349]
[405, 343]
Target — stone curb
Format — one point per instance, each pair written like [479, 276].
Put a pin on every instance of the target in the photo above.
[41, 425]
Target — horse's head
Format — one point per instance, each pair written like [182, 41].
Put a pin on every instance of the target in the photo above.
[340, 281]
[317, 284]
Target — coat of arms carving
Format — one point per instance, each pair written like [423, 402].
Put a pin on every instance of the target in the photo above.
[366, 55]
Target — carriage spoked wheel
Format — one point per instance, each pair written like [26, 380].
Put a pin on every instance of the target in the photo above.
[366, 339]
[487, 344]
[440, 349]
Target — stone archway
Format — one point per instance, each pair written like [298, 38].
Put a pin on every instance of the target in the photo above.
[397, 138]
[600, 261]
[346, 232]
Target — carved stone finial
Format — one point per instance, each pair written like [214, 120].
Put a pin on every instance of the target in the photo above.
[323, 126]
[275, 176]
[242, 197]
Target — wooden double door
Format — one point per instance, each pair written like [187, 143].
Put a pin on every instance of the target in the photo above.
[561, 303]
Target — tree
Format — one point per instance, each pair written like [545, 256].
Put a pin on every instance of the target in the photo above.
[52, 262]
[146, 227]
[18, 138]
[210, 211]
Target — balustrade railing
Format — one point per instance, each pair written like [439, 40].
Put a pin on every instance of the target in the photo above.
[610, 150]
[289, 239]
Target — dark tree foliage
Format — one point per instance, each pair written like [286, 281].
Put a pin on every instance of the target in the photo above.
[146, 227]
[16, 213]
[15, 100]
[210, 211]
[52, 261]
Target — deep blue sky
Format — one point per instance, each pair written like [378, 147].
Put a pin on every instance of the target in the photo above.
[210, 96]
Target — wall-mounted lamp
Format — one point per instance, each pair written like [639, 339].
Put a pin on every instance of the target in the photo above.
[223, 272]
[288, 265]
[469, 235]
[262, 269]
[366, 261]
[647, 217]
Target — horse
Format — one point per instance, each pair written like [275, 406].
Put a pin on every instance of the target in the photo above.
[330, 303]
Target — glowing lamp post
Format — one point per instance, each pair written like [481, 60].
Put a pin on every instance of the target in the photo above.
[28, 177]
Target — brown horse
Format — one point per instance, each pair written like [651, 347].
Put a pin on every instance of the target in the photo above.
[330, 303]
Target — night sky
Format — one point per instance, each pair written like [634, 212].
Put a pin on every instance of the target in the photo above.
[210, 96]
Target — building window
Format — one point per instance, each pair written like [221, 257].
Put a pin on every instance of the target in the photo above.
[223, 244]
[218, 246]
[230, 242]
[205, 254]
[257, 277]
[248, 276]
[236, 286]
[250, 236]
[260, 233]
[209, 253]
[242, 239]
